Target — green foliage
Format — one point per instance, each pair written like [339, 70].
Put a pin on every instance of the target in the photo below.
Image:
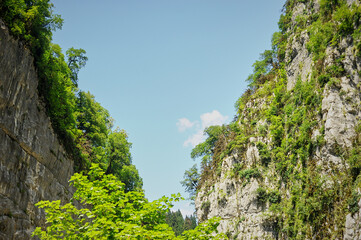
[176, 221]
[206, 148]
[205, 231]
[206, 206]
[179, 224]
[76, 61]
[93, 120]
[353, 202]
[313, 205]
[264, 153]
[249, 173]
[354, 161]
[238, 141]
[59, 94]
[113, 213]
[237, 167]
[328, 6]
[190, 223]
[82, 124]
[262, 68]
[286, 18]
[279, 45]
[32, 21]
[119, 162]
[264, 196]
[337, 20]
[100, 144]
[274, 196]
[321, 35]
[261, 194]
[211, 152]
[190, 182]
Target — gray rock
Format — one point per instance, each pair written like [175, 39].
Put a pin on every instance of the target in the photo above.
[300, 60]
[242, 216]
[33, 164]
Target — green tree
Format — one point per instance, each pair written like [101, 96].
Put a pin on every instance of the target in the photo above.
[190, 222]
[262, 67]
[190, 182]
[129, 175]
[175, 221]
[76, 61]
[32, 21]
[93, 120]
[59, 94]
[206, 148]
[119, 161]
[113, 213]
[180, 224]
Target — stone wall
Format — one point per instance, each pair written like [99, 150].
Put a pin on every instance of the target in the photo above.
[33, 164]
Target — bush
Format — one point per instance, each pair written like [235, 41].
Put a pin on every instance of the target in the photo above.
[262, 195]
[250, 173]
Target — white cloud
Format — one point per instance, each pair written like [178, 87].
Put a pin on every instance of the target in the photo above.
[207, 119]
[213, 118]
[183, 124]
[195, 139]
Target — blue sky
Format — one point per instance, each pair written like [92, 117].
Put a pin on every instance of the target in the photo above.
[165, 69]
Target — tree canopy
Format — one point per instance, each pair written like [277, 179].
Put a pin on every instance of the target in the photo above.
[179, 224]
[110, 212]
[76, 61]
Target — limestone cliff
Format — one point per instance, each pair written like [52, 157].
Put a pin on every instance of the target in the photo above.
[33, 164]
[270, 188]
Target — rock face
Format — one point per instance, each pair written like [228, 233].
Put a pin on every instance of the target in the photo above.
[234, 199]
[235, 202]
[33, 164]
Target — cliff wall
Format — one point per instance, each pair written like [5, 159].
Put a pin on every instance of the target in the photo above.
[249, 195]
[33, 164]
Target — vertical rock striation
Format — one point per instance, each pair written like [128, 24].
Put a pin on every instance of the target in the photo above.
[33, 164]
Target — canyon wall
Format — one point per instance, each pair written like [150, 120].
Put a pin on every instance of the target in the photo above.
[33, 164]
[237, 200]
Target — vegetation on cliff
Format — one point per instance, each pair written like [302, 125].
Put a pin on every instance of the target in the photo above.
[303, 201]
[84, 127]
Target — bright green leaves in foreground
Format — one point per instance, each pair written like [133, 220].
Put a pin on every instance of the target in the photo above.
[114, 213]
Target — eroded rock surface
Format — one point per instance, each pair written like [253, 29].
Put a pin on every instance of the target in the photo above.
[235, 199]
[33, 164]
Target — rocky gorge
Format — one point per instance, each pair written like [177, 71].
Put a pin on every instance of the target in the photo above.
[288, 167]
